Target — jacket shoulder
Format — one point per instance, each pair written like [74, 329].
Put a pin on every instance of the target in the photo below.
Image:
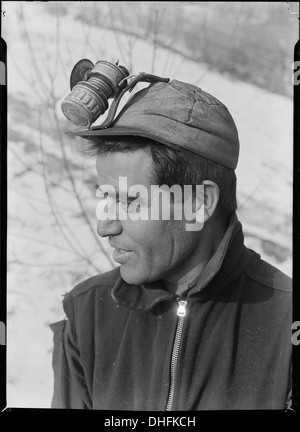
[106, 280]
[268, 275]
[84, 296]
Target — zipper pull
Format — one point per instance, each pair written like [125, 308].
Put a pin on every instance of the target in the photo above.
[182, 308]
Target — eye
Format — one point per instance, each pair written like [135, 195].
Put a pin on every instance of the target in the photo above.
[124, 204]
[134, 206]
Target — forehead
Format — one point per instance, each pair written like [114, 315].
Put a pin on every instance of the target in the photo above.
[137, 166]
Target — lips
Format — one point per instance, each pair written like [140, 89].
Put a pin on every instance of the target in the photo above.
[120, 255]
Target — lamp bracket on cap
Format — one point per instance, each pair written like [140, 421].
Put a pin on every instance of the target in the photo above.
[141, 77]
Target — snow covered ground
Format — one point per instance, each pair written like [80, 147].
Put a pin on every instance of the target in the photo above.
[42, 265]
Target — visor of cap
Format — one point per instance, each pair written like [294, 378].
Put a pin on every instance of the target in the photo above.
[177, 114]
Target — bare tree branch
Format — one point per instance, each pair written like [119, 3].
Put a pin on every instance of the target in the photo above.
[35, 240]
[87, 43]
[36, 67]
[71, 179]
[35, 264]
[229, 45]
[116, 34]
[52, 206]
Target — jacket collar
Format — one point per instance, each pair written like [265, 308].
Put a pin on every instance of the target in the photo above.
[225, 265]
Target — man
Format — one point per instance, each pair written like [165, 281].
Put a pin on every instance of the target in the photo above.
[191, 319]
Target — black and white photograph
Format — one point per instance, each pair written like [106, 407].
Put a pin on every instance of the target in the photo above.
[150, 206]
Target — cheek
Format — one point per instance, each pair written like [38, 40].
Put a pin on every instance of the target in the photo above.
[157, 241]
[159, 247]
[147, 234]
[152, 253]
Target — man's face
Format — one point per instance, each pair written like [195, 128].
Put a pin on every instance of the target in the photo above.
[147, 250]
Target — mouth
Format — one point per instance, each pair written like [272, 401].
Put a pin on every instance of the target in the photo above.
[121, 256]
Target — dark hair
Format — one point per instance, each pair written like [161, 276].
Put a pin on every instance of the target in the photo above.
[174, 165]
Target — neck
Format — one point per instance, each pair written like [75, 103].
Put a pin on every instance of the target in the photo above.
[209, 240]
[188, 280]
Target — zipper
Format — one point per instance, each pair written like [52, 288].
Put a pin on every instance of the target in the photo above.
[181, 312]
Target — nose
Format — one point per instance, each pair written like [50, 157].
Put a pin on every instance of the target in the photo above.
[107, 228]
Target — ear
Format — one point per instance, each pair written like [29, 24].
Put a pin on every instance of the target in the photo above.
[211, 198]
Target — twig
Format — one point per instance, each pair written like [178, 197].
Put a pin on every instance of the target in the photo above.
[12, 233]
[249, 197]
[165, 68]
[154, 40]
[40, 79]
[130, 38]
[225, 52]
[30, 168]
[179, 66]
[31, 197]
[51, 204]
[71, 179]
[31, 84]
[57, 40]
[87, 41]
[27, 264]
[116, 33]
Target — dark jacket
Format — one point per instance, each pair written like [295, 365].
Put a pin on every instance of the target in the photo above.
[118, 348]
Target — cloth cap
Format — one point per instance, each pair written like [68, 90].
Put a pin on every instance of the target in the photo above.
[177, 114]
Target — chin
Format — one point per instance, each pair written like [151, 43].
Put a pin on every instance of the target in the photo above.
[131, 276]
